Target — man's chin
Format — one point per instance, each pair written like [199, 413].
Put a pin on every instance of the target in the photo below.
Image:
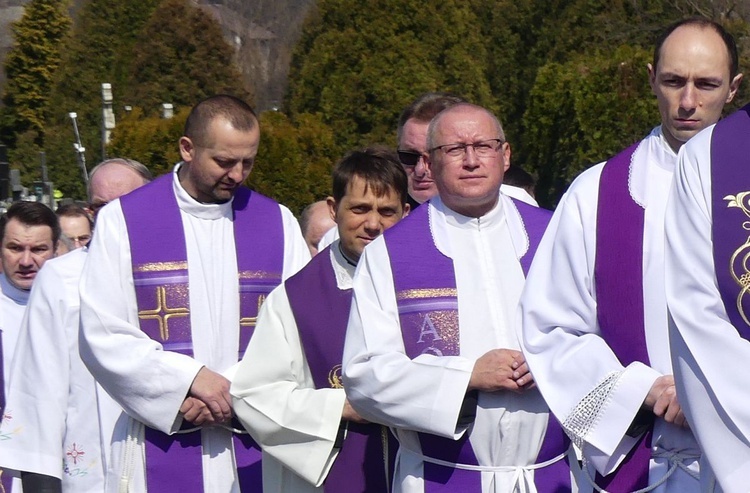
[422, 196]
[23, 283]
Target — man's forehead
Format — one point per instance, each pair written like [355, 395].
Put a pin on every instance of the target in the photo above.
[17, 231]
[113, 182]
[360, 189]
[414, 132]
[693, 47]
[468, 119]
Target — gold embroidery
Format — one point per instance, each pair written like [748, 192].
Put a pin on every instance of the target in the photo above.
[161, 267]
[257, 274]
[251, 321]
[411, 294]
[334, 378]
[738, 263]
[162, 313]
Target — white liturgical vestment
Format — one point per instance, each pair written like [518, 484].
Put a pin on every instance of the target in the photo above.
[12, 308]
[709, 356]
[584, 383]
[149, 383]
[425, 394]
[274, 391]
[54, 405]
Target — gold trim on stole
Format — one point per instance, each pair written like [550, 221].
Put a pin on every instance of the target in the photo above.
[415, 294]
[161, 266]
[739, 270]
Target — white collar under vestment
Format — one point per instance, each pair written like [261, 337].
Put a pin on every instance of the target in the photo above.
[343, 270]
[443, 219]
[189, 205]
[654, 150]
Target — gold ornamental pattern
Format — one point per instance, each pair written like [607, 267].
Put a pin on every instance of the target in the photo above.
[739, 264]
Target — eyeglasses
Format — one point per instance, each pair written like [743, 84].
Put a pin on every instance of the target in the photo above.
[482, 149]
[83, 239]
[409, 158]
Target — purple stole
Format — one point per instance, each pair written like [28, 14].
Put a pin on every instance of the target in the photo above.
[321, 311]
[730, 209]
[428, 310]
[618, 275]
[160, 274]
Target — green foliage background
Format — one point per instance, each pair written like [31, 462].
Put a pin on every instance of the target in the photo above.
[567, 78]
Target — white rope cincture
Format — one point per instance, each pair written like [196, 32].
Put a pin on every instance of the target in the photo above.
[133, 440]
[518, 477]
[675, 462]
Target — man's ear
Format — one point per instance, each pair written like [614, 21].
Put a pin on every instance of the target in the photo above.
[733, 87]
[187, 149]
[331, 202]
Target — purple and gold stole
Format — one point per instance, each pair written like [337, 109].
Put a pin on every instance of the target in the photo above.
[618, 275]
[160, 274]
[427, 301]
[730, 210]
[321, 311]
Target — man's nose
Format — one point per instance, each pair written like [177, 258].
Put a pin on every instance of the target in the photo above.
[688, 98]
[420, 169]
[26, 258]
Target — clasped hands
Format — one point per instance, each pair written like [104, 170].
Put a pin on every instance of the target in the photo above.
[501, 369]
[208, 401]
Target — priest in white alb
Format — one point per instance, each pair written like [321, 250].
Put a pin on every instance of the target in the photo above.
[707, 284]
[29, 232]
[171, 289]
[431, 347]
[60, 418]
[287, 390]
[594, 313]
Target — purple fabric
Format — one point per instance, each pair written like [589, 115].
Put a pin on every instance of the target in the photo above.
[428, 311]
[247, 456]
[259, 240]
[731, 243]
[618, 274]
[535, 220]
[183, 471]
[618, 269]
[6, 480]
[321, 311]
[159, 257]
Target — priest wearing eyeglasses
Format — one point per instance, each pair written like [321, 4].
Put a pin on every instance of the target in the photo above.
[431, 346]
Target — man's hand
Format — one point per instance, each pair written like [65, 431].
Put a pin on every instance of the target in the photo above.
[213, 390]
[196, 412]
[662, 400]
[501, 369]
[349, 414]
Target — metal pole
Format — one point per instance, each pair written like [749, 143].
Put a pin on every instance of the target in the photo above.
[80, 150]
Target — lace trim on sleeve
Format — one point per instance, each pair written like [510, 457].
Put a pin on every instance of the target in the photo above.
[586, 413]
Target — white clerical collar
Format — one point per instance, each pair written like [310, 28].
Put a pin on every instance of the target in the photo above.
[666, 157]
[188, 204]
[653, 151]
[445, 222]
[20, 296]
[455, 220]
[343, 270]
